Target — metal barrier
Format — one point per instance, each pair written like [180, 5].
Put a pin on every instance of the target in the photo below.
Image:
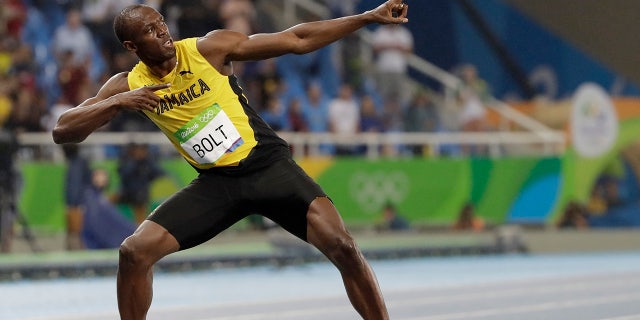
[497, 144]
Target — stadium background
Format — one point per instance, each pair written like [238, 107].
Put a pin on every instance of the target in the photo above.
[549, 44]
[431, 191]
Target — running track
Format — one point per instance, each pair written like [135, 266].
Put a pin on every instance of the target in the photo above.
[565, 287]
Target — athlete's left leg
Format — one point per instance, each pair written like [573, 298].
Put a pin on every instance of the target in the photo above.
[326, 231]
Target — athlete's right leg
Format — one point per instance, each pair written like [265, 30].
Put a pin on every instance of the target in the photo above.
[188, 218]
[138, 253]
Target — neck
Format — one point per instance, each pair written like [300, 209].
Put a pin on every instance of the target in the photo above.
[162, 69]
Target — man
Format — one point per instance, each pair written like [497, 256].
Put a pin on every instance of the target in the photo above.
[188, 90]
[392, 44]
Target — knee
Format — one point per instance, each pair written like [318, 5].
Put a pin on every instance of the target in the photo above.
[133, 253]
[146, 246]
[344, 252]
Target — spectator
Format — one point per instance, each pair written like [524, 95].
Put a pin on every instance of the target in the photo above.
[392, 220]
[12, 17]
[37, 34]
[575, 216]
[344, 117]
[295, 116]
[73, 79]
[421, 115]
[467, 220]
[605, 196]
[6, 104]
[274, 115]
[392, 44]
[5, 55]
[370, 120]
[28, 111]
[137, 169]
[267, 81]
[298, 71]
[77, 180]
[393, 122]
[103, 227]
[98, 17]
[238, 15]
[74, 50]
[315, 108]
[194, 18]
[472, 95]
[297, 122]
[23, 68]
[8, 185]
[74, 38]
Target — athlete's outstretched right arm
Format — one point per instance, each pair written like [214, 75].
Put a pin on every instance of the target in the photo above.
[76, 124]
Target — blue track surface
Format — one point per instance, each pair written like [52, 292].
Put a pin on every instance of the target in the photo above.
[577, 286]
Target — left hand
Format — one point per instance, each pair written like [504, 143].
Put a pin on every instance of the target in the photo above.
[391, 12]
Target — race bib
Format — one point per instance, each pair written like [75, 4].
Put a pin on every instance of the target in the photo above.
[209, 135]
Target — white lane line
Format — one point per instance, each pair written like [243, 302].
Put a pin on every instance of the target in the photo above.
[85, 316]
[291, 314]
[527, 291]
[530, 308]
[627, 317]
[419, 301]
[534, 282]
[335, 304]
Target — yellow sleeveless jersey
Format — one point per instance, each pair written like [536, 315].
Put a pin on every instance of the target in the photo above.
[204, 113]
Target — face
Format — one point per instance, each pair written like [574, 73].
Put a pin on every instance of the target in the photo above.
[100, 178]
[367, 105]
[151, 39]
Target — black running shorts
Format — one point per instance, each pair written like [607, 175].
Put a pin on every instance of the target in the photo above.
[213, 202]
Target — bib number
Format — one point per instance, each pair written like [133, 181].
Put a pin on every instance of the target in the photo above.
[209, 135]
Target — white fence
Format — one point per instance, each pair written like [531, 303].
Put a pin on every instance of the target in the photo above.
[535, 139]
[495, 144]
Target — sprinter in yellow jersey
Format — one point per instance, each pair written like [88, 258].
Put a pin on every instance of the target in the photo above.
[188, 90]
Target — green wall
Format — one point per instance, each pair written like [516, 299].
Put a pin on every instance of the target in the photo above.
[426, 191]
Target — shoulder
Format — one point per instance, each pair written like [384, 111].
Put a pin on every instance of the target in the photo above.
[118, 83]
[119, 80]
[220, 41]
[218, 46]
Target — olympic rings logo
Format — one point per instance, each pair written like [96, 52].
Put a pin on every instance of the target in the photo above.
[372, 190]
[207, 116]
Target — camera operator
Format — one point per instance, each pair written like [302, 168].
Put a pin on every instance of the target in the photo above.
[8, 149]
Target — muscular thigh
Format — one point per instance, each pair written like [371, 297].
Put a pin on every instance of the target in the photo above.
[200, 211]
[283, 194]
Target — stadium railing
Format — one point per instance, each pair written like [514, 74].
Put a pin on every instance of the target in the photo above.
[531, 137]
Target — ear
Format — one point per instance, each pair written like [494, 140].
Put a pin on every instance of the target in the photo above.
[130, 46]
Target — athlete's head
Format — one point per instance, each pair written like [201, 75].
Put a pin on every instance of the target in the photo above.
[142, 30]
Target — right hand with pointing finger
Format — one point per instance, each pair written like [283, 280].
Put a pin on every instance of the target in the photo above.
[143, 98]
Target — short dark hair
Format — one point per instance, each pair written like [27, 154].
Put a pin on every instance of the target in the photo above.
[121, 22]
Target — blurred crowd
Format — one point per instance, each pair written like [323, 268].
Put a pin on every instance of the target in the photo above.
[55, 54]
